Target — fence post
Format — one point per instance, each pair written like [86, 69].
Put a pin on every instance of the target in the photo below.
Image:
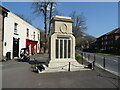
[104, 62]
[94, 58]
[82, 58]
[69, 67]
[93, 66]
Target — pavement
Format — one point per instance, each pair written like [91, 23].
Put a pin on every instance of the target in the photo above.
[20, 75]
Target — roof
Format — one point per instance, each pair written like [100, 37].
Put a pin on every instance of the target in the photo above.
[4, 9]
[117, 31]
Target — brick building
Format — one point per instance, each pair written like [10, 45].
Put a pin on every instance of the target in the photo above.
[109, 42]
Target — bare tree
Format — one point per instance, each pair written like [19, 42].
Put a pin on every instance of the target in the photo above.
[89, 38]
[44, 7]
[52, 12]
[41, 8]
[79, 26]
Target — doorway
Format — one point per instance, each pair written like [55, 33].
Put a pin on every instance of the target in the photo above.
[15, 47]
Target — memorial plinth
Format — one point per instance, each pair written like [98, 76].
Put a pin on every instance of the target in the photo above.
[62, 42]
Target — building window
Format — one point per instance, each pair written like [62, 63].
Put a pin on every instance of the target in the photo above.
[15, 28]
[27, 34]
[106, 37]
[34, 35]
[102, 38]
[106, 42]
[102, 43]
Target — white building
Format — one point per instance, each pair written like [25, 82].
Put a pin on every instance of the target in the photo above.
[19, 34]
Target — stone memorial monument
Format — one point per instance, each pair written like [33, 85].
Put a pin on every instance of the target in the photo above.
[62, 42]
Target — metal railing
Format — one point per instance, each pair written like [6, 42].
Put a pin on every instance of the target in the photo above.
[106, 62]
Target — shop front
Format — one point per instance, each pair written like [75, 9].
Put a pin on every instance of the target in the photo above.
[32, 46]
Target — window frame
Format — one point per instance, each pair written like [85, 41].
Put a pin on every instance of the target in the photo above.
[16, 28]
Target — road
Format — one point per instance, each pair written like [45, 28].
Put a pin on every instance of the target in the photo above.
[19, 75]
[110, 62]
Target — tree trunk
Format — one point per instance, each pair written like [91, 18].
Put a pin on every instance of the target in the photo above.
[50, 16]
[50, 26]
[45, 22]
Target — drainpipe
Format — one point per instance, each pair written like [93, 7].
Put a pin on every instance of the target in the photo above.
[4, 15]
[2, 33]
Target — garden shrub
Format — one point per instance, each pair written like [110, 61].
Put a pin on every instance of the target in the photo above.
[78, 57]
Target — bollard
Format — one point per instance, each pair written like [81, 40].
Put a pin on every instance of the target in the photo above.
[93, 65]
[104, 62]
[69, 67]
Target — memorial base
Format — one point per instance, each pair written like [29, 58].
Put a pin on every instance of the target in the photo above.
[62, 62]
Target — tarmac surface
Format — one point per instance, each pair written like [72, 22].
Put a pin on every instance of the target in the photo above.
[20, 75]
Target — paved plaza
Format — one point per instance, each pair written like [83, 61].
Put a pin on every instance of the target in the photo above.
[19, 75]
